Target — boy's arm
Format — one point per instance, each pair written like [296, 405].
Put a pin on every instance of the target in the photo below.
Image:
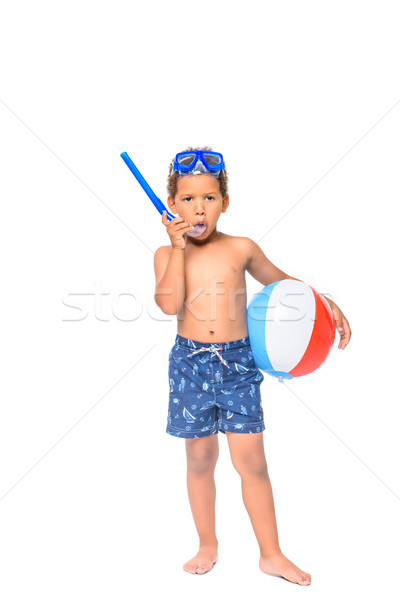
[260, 267]
[169, 268]
[263, 270]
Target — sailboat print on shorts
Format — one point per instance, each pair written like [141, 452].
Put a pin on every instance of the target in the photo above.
[241, 368]
[229, 414]
[188, 416]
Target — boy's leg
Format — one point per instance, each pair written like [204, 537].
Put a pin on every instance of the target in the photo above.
[248, 458]
[202, 454]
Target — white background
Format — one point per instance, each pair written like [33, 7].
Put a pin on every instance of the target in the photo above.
[303, 100]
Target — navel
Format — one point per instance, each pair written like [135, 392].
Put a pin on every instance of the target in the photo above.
[211, 331]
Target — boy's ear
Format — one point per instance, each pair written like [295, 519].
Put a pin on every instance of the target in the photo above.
[171, 205]
[225, 203]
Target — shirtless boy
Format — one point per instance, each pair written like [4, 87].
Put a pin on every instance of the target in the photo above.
[214, 382]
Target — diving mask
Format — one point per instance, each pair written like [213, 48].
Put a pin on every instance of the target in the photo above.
[199, 162]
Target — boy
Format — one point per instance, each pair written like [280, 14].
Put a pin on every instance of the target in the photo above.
[214, 382]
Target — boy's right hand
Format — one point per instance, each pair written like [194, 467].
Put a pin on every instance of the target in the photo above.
[175, 229]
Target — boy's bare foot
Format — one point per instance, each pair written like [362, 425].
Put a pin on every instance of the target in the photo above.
[204, 561]
[281, 566]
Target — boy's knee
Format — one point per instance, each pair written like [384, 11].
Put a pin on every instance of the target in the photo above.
[201, 458]
[251, 465]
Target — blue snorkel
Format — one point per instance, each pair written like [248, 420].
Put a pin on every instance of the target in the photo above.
[155, 200]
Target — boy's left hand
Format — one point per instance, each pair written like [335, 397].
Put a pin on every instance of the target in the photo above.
[342, 324]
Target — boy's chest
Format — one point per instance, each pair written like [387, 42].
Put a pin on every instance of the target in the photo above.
[215, 271]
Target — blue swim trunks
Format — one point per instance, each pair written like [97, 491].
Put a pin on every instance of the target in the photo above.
[213, 387]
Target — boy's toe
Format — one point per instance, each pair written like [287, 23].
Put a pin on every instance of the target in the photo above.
[203, 567]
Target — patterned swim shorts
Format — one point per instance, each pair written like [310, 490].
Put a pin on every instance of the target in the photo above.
[213, 387]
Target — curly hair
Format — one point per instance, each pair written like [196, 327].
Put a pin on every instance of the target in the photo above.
[173, 176]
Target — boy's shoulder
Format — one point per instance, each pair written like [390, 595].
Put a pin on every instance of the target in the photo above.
[162, 250]
[240, 239]
[240, 242]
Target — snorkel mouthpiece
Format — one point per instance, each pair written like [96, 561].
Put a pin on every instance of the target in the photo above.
[198, 230]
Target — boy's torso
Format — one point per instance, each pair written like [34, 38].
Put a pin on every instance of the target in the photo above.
[215, 291]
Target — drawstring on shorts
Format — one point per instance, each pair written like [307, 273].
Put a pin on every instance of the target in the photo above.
[211, 349]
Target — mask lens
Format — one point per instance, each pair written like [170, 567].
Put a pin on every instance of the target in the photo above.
[186, 160]
[212, 159]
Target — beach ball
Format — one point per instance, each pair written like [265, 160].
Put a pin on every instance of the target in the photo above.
[291, 329]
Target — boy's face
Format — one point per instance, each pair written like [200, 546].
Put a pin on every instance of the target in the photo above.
[198, 200]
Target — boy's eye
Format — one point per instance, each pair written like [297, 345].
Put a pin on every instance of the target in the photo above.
[189, 198]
